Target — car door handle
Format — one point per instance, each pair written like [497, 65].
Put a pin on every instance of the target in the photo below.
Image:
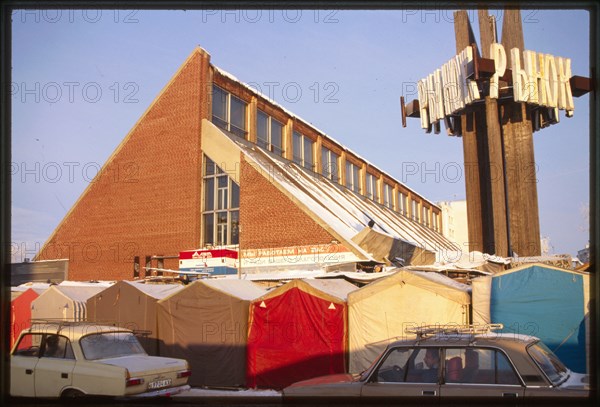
[510, 395]
[428, 392]
[28, 371]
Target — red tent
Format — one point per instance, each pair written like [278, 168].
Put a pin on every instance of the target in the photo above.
[20, 313]
[298, 331]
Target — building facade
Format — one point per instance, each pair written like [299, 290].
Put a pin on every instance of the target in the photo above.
[212, 163]
[455, 223]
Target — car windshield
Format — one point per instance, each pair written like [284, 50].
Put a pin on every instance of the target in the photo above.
[549, 363]
[110, 345]
[365, 373]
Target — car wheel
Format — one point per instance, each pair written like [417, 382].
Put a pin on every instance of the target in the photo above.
[72, 394]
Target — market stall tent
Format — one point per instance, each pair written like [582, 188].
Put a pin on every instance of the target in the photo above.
[206, 323]
[132, 305]
[539, 300]
[64, 302]
[382, 310]
[298, 331]
[20, 313]
[20, 289]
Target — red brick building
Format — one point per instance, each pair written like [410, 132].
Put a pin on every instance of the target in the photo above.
[212, 162]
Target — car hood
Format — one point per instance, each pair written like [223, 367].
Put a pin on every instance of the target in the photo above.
[576, 381]
[329, 379]
[146, 364]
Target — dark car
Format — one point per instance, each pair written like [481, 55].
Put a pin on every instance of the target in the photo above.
[453, 365]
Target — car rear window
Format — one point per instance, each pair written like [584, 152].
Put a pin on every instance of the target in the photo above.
[110, 345]
[548, 362]
[480, 366]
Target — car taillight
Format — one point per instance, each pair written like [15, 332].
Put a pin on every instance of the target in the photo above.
[132, 381]
[184, 373]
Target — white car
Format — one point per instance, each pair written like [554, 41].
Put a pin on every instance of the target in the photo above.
[58, 359]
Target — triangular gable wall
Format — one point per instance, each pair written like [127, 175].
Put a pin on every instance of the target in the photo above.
[129, 197]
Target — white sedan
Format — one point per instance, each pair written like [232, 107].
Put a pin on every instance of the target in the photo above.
[58, 359]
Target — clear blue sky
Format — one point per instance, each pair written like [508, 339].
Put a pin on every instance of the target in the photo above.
[81, 80]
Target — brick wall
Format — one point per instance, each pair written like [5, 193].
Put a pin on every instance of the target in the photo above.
[146, 200]
[268, 218]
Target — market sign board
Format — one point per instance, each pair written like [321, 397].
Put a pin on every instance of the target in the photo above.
[537, 78]
[226, 261]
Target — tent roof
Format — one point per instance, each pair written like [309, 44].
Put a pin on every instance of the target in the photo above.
[443, 280]
[242, 289]
[76, 293]
[337, 288]
[38, 287]
[27, 295]
[542, 265]
[450, 267]
[434, 282]
[157, 291]
[86, 283]
[357, 276]
[469, 260]
[335, 291]
[278, 275]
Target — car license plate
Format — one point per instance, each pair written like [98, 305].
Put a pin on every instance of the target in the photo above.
[159, 384]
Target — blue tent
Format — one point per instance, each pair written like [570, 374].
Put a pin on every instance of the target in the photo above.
[546, 302]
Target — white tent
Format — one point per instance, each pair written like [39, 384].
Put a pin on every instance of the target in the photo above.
[64, 302]
[379, 312]
[481, 296]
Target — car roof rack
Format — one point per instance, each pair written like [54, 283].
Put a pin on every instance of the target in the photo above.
[62, 323]
[425, 331]
[57, 321]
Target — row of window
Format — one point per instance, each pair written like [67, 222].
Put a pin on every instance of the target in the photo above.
[229, 113]
[461, 365]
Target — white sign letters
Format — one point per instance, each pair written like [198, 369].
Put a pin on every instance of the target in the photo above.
[541, 79]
